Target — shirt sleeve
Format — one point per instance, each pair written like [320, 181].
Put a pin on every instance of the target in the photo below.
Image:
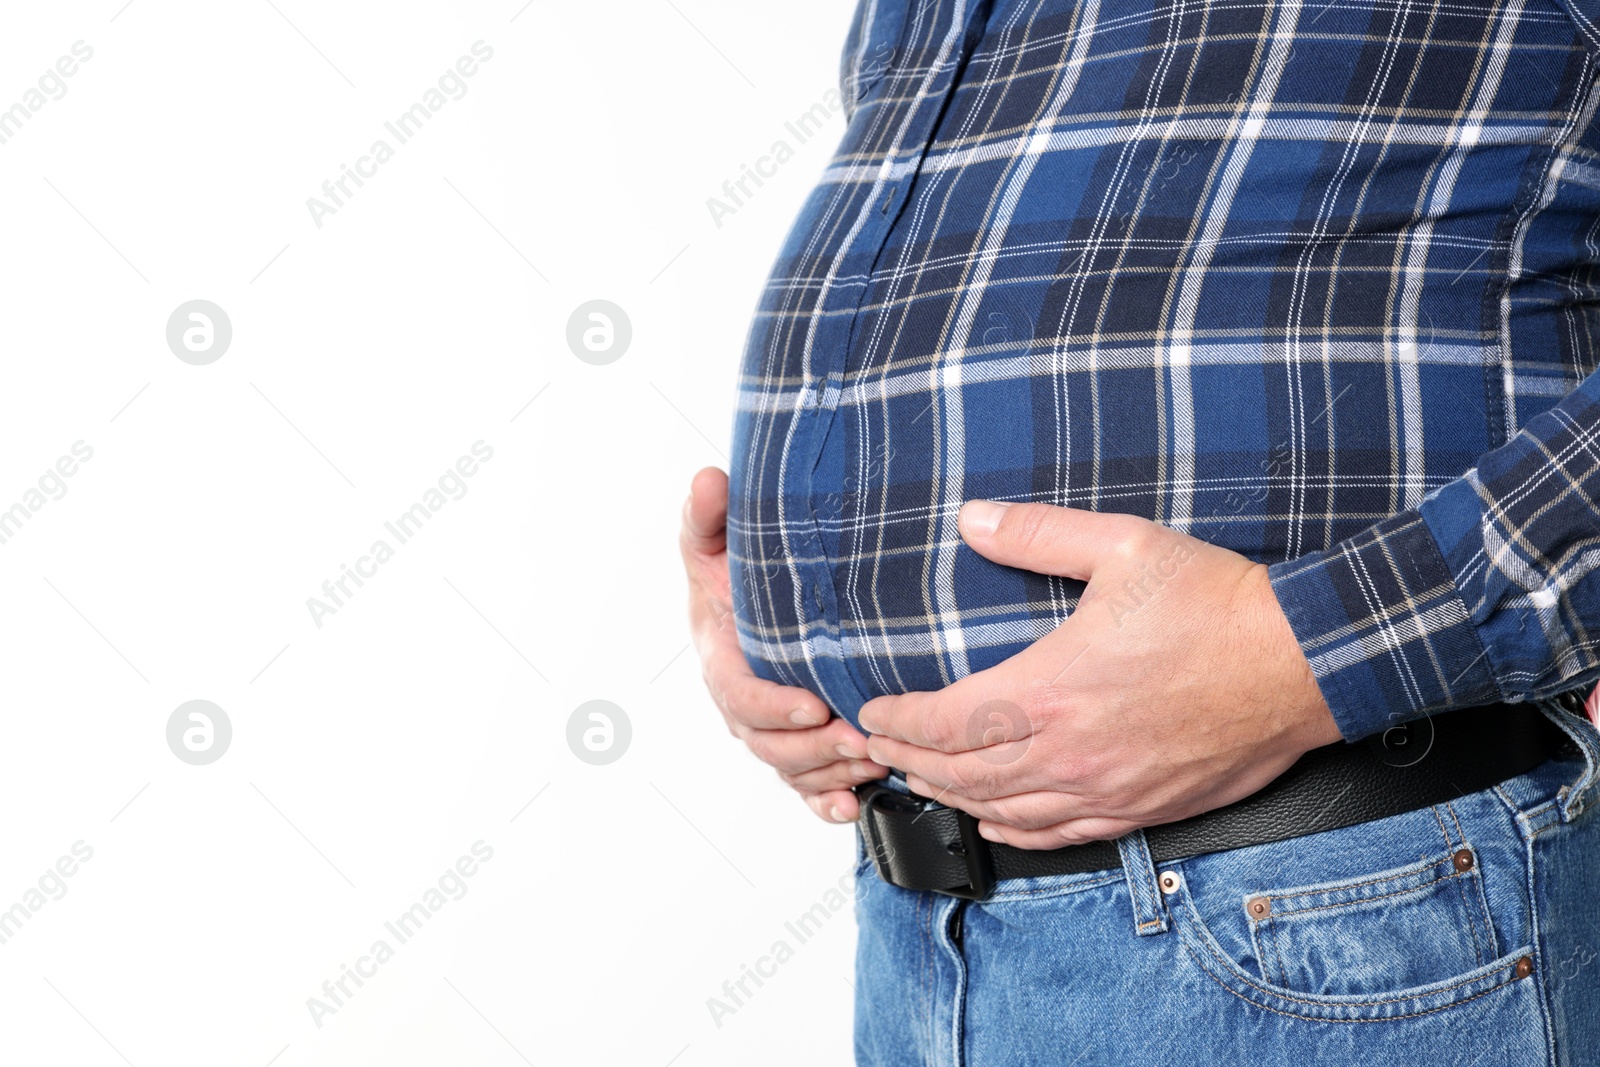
[1482, 592]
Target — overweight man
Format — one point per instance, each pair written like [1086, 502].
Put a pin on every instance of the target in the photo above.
[1163, 518]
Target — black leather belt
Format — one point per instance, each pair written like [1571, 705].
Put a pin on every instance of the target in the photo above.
[919, 844]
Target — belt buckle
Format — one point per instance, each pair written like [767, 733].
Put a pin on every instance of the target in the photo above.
[881, 802]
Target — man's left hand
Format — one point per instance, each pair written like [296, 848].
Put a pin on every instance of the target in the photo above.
[1175, 687]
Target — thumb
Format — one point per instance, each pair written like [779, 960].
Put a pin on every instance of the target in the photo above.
[705, 513]
[1068, 542]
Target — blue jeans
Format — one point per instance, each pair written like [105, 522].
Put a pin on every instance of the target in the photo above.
[1467, 933]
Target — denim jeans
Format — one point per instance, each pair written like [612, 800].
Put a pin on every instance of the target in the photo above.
[1462, 934]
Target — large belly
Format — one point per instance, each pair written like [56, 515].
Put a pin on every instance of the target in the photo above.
[1167, 326]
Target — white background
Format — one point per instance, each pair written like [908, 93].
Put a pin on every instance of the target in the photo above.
[367, 356]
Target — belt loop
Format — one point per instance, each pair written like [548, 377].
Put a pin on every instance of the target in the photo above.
[1567, 712]
[1149, 907]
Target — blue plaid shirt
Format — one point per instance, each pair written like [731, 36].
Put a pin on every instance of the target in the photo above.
[1316, 282]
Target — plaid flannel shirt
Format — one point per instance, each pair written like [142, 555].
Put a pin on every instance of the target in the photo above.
[1313, 281]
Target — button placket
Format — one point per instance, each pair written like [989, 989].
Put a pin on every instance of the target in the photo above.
[837, 313]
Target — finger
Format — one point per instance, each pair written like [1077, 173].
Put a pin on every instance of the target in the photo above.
[798, 751]
[705, 513]
[757, 703]
[954, 719]
[703, 543]
[996, 771]
[1046, 539]
[840, 774]
[1061, 835]
[1036, 810]
[840, 806]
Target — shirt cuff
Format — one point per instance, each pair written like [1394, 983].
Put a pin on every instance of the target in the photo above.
[1384, 627]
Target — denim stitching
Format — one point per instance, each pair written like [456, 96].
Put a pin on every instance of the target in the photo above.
[1467, 910]
[1352, 1003]
[926, 1007]
[1461, 834]
[1471, 923]
[1536, 935]
[1067, 890]
[1391, 877]
[1277, 948]
[1444, 831]
[1516, 813]
[930, 970]
[1375, 896]
[1258, 946]
[1527, 818]
[959, 1000]
[1335, 1019]
[1369, 1003]
[958, 1039]
[1144, 893]
[1277, 944]
[1534, 836]
[1492, 936]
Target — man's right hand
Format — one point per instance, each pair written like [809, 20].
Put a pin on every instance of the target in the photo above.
[787, 727]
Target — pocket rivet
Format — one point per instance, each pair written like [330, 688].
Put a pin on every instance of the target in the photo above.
[1524, 966]
[1462, 860]
[1170, 881]
[1258, 907]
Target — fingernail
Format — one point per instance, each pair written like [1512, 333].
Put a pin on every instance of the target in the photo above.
[836, 814]
[802, 717]
[981, 517]
[989, 833]
[847, 752]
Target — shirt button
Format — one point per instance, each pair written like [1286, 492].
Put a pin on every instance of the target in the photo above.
[816, 594]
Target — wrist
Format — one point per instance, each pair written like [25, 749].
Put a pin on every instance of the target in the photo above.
[1297, 690]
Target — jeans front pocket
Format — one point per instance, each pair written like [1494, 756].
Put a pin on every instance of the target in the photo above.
[1382, 921]
[1393, 929]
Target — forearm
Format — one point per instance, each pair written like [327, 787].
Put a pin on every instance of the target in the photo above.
[1482, 592]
